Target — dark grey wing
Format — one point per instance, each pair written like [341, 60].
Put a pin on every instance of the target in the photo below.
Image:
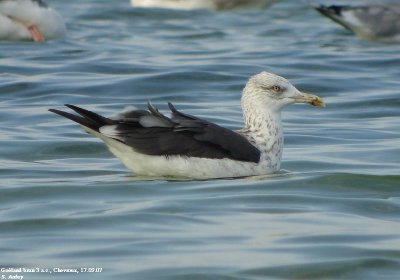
[334, 12]
[382, 20]
[239, 147]
[152, 133]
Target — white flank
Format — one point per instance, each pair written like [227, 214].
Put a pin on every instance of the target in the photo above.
[264, 96]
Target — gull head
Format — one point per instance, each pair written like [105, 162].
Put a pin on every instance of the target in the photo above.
[274, 93]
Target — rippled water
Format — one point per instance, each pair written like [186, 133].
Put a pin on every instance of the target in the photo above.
[333, 213]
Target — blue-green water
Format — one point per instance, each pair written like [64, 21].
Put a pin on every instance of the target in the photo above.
[65, 201]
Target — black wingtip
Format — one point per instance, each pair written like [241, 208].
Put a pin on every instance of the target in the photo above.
[77, 109]
[172, 107]
[62, 113]
[78, 119]
[86, 118]
[320, 8]
[58, 112]
[328, 10]
[151, 108]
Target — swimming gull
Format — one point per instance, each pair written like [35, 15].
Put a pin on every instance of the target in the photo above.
[202, 4]
[152, 144]
[29, 20]
[373, 22]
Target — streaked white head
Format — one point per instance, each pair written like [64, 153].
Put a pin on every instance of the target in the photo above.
[273, 93]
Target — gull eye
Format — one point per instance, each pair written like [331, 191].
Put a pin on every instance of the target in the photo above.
[276, 88]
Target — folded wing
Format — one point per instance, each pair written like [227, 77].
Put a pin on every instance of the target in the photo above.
[152, 133]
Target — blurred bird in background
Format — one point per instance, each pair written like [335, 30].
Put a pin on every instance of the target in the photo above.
[29, 20]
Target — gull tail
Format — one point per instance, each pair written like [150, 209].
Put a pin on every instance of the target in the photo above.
[85, 118]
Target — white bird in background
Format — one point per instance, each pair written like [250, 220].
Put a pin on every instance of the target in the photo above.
[29, 20]
[373, 22]
[202, 4]
[151, 144]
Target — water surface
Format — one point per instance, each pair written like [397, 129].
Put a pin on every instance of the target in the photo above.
[65, 201]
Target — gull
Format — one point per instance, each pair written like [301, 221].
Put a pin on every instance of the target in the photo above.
[372, 22]
[184, 146]
[29, 20]
[202, 4]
